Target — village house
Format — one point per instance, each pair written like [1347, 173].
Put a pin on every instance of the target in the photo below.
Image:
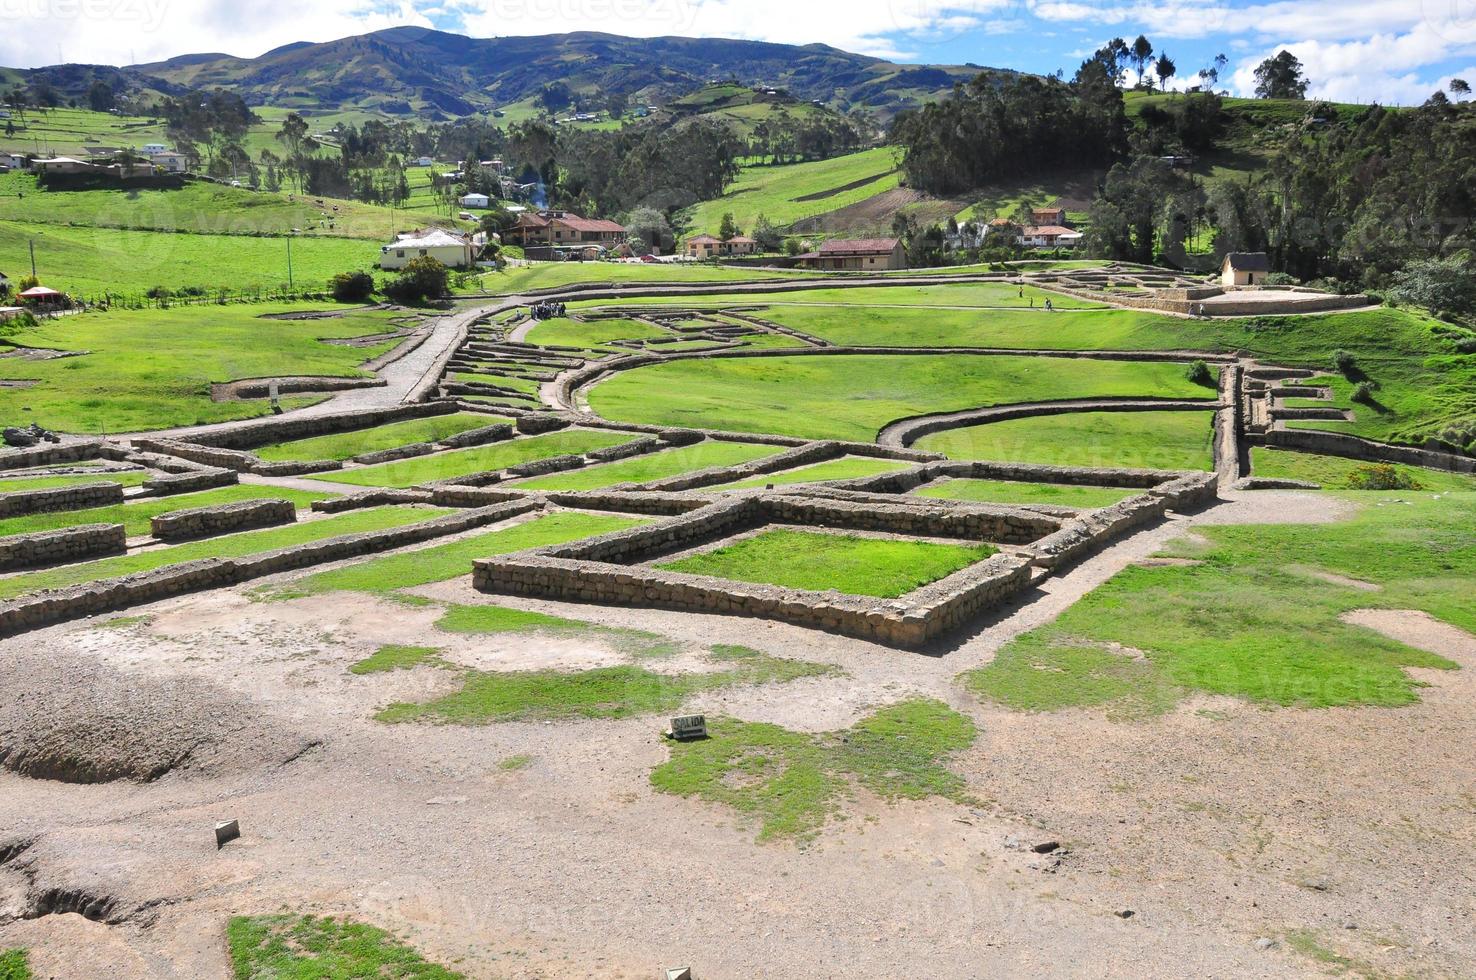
[707, 247]
[149, 149]
[1245, 269]
[864, 255]
[12, 161]
[425, 162]
[1049, 236]
[1049, 216]
[451, 250]
[563, 228]
[170, 162]
[61, 165]
[481, 201]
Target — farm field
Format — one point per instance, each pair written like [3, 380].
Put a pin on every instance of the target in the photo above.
[785, 194]
[1012, 492]
[345, 445]
[152, 369]
[852, 397]
[465, 462]
[655, 466]
[1135, 440]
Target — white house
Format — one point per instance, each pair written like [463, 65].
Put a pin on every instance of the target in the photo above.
[425, 162]
[12, 160]
[149, 149]
[1245, 269]
[1048, 236]
[452, 251]
[169, 162]
[475, 201]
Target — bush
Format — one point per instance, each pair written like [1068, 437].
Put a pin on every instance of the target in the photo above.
[1199, 373]
[1280, 279]
[423, 279]
[1383, 477]
[159, 292]
[1364, 393]
[352, 287]
[1344, 363]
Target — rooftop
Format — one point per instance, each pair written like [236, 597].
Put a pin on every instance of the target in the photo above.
[862, 246]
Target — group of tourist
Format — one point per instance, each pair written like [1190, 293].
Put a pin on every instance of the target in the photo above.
[548, 311]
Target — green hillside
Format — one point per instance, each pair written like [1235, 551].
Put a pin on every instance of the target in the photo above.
[788, 193]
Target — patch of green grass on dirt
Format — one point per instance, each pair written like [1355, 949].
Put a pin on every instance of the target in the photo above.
[1308, 943]
[269, 947]
[442, 562]
[845, 468]
[393, 657]
[346, 445]
[1150, 440]
[790, 783]
[878, 567]
[122, 622]
[491, 620]
[653, 466]
[136, 515]
[1335, 473]
[1254, 620]
[513, 763]
[465, 462]
[853, 396]
[13, 965]
[226, 546]
[606, 692]
[1013, 492]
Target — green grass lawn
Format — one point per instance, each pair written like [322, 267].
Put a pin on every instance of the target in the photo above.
[564, 332]
[1150, 440]
[226, 546]
[877, 567]
[152, 369]
[135, 515]
[653, 466]
[1254, 620]
[479, 459]
[267, 947]
[853, 396]
[1013, 492]
[909, 304]
[606, 692]
[388, 659]
[777, 192]
[548, 275]
[442, 562]
[127, 478]
[13, 965]
[91, 263]
[845, 468]
[346, 445]
[790, 783]
[1334, 472]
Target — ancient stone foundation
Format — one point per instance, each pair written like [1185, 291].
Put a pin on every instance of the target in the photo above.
[205, 522]
[58, 547]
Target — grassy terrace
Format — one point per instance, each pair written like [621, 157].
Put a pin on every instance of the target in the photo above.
[1258, 619]
[442, 562]
[845, 468]
[481, 459]
[655, 466]
[152, 369]
[546, 275]
[346, 445]
[785, 194]
[856, 566]
[907, 303]
[1012, 492]
[129, 478]
[594, 335]
[1334, 472]
[853, 396]
[227, 546]
[1150, 440]
[136, 515]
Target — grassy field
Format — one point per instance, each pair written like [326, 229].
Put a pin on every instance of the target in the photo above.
[791, 783]
[845, 468]
[853, 396]
[226, 546]
[1334, 473]
[91, 263]
[131, 478]
[605, 692]
[135, 515]
[1149, 440]
[346, 445]
[1012, 492]
[547, 275]
[151, 369]
[13, 965]
[653, 466]
[1256, 620]
[785, 194]
[816, 306]
[595, 334]
[307, 946]
[481, 459]
[440, 563]
[817, 562]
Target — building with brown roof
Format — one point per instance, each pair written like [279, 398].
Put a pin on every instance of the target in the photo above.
[563, 228]
[858, 255]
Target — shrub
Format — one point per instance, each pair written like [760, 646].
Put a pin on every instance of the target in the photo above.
[1364, 393]
[1344, 363]
[1280, 279]
[1199, 373]
[159, 292]
[423, 279]
[1382, 476]
[351, 287]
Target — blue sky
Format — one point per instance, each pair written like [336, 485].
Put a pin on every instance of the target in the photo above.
[1393, 51]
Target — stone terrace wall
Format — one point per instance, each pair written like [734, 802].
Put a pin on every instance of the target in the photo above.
[71, 452]
[66, 545]
[1133, 479]
[720, 519]
[206, 479]
[981, 522]
[287, 428]
[1352, 447]
[84, 495]
[205, 522]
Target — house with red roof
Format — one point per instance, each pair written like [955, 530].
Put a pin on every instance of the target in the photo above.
[564, 228]
[858, 255]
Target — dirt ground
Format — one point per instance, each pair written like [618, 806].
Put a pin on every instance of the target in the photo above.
[1238, 837]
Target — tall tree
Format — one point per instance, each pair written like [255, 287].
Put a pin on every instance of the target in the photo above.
[1142, 53]
[1165, 69]
[293, 135]
[1281, 77]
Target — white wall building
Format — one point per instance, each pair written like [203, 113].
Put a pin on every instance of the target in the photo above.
[452, 251]
[481, 201]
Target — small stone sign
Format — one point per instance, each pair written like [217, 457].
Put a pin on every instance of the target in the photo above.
[688, 728]
[226, 832]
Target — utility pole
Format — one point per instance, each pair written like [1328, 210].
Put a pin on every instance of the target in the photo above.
[33, 258]
[289, 261]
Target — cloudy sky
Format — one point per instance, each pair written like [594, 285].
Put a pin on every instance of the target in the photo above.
[1392, 51]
